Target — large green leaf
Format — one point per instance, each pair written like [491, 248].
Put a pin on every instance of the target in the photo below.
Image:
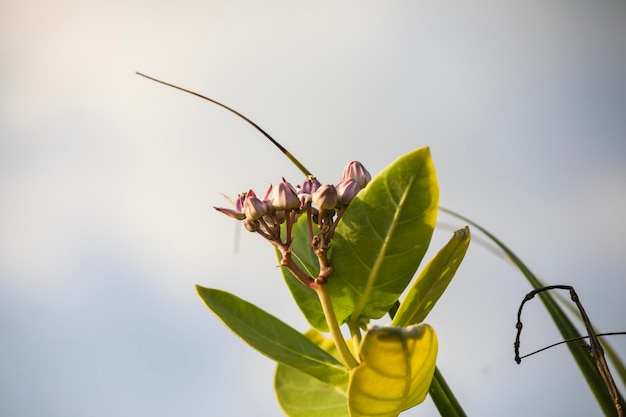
[383, 237]
[301, 395]
[272, 337]
[433, 280]
[397, 366]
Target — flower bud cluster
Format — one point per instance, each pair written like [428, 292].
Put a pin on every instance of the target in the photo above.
[324, 204]
[328, 196]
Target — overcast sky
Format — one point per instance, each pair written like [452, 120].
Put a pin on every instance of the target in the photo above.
[107, 182]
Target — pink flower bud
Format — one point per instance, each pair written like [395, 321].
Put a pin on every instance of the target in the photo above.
[347, 189]
[284, 197]
[325, 198]
[237, 213]
[241, 197]
[357, 172]
[253, 207]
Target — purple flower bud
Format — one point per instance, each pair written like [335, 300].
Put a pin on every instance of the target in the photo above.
[237, 213]
[310, 185]
[347, 189]
[357, 172]
[253, 207]
[284, 197]
[325, 198]
[241, 198]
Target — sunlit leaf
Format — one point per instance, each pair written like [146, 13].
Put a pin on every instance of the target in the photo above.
[301, 395]
[396, 370]
[433, 280]
[439, 391]
[272, 337]
[383, 237]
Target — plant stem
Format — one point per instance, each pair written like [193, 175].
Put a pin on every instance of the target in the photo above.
[331, 319]
[288, 262]
[444, 398]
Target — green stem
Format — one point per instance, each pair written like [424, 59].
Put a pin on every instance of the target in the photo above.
[444, 399]
[329, 314]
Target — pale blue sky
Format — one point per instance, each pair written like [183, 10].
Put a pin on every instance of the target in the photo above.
[107, 182]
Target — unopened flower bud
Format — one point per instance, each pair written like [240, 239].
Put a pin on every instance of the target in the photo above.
[310, 185]
[253, 207]
[325, 198]
[251, 225]
[347, 189]
[276, 218]
[357, 172]
[284, 197]
[241, 198]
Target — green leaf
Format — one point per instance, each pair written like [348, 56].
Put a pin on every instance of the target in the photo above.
[301, 248]
[396, 370]
[272, 337]
[567, 329]
[444, 399]
[301, 395]
[383, 236]
[433, 280]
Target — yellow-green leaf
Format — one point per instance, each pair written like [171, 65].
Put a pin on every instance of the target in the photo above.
[433, 280]
[397, 366]
[301, 395]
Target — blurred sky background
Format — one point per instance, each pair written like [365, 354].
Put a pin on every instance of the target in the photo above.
[107, 182]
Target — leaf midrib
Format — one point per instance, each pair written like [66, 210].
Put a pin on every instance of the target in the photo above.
[381, 254]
